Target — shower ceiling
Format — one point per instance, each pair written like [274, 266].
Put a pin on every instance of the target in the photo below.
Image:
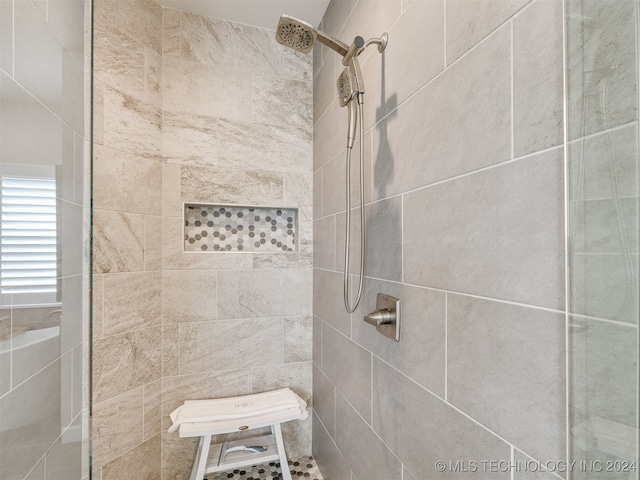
[259, 13]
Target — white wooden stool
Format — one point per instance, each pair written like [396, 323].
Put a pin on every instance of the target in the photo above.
[205, 418]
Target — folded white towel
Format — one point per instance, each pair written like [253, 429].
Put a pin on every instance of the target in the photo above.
[245, 406]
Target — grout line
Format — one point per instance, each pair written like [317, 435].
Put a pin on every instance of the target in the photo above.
[512, 460]
[444, 43]
[459, 176]
[402, 238]
[513, 135]
[446, 347]
[13, 40]
[567, 279]
[500, 437]
[406, 284]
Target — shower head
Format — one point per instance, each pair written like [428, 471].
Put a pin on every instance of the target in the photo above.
[299, 35]
[346, 87]
[296, 34]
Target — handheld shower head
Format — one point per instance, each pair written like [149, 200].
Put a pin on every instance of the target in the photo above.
[346, 87]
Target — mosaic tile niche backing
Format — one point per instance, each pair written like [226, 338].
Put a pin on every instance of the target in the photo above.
[217, 228]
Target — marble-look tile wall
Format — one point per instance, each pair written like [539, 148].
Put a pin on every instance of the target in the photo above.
[465, 221]
[44, 97]
[237, 130]
[191, 109]
[127, 236]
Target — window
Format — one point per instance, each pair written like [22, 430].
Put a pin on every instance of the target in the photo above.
[28, 240]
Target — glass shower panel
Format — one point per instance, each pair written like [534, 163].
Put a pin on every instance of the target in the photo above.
[602, 166]
[45, 61]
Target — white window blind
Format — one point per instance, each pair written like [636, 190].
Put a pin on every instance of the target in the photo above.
[28, 232]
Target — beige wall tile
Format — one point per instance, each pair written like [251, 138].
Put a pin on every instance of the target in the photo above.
[171, 33]
[296, 376]
[132, 301]
[152, 393]
[98, 112]
[152, 243]
[126, 361]
[471, 100]
[497, 233]
[297, 66]
[206, 40]
[330, 461]
[254, 146]
[207, 90]
[201, 184]
[131, 125]
[324, 400]
[141, 20]
[97, 305]
[278, 101]
[171, 201]
[119, 61]
[331, 127]
[420, 354]
[118, 242]
[153, 76]
[189, 296]
[469, 21]
[170, 349]
[458, 437]
[365, 453]
[283, 260]
[324, 242]
[506, 369]
[117, 426]
[144, 460]
[298, 337]
[189, 139]
[250, 294]
[324, 87]
[537, 77]
[369, 19]
[348, 367]
[406, 64]
[235, 345]
[328, 300]
[334, 196]
[127, 183]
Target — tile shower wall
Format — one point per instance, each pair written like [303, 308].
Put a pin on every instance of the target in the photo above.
[44, 97]
[465, 200]
[196, 110]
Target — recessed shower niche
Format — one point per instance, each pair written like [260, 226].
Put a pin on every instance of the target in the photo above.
[234, 228]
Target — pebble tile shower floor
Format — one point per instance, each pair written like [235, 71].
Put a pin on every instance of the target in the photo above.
[302, 468]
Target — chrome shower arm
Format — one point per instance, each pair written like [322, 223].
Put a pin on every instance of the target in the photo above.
[380, 41]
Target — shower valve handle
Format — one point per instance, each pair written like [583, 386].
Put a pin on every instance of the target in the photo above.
[382, 316]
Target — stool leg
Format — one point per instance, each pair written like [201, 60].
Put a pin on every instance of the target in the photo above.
[200, 463]
[284, 464]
